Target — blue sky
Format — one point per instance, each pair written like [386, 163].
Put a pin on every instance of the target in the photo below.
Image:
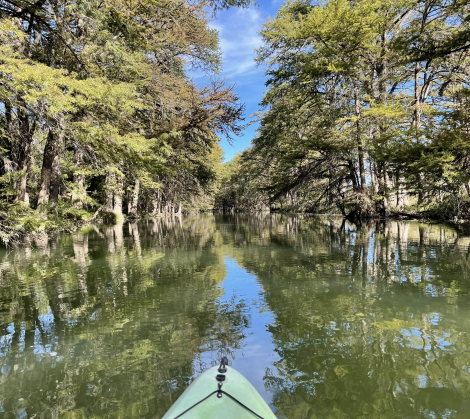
[238, 34]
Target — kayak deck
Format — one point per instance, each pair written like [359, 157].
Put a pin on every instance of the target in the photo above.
[234, 384]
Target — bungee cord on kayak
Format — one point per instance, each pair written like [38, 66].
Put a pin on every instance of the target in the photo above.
[195, 404]
[221, 378]
[224, 392]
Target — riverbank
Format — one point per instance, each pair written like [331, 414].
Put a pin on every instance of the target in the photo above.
[25, 224]
[21, 222]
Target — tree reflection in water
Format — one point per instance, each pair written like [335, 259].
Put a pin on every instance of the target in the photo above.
[369, 321]
[112, 321]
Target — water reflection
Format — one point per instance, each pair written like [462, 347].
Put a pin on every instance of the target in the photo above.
[343, 321]
[367, 322]
[110, 322]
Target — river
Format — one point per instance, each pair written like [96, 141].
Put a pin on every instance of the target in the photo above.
[326, 319]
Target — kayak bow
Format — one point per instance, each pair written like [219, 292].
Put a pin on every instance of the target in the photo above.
[220, 392]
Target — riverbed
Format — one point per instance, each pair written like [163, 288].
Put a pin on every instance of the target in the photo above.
[326, 319]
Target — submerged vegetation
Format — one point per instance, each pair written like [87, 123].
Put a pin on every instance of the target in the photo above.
[366, 113]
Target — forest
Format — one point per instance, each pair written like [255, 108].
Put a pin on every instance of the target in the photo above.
[366, 112]
[98, 117]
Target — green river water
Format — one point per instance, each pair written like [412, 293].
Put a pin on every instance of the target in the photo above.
[326, 319]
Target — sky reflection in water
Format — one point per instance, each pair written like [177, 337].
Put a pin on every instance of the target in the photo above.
[324, 318]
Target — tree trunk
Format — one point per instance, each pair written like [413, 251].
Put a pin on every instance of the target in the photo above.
[51, 150]
[9, 134]
[117, 208]
[9, 121]
[330, 187]
[23, 195]
[110, 183]
[24, 156]
[55, 183]
[360, 149]
[353, 175]
[417, 124]
[417, 110]
[373, 176]
[362, 172]
[386, 204]
[402, 197]
[156, 205]
[79, 193]
[134, 200]
[383, 207]
[342, 189]
[118, 192]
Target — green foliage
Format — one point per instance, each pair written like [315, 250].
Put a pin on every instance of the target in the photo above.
[100, 88]
[367, 109]
[68, 211]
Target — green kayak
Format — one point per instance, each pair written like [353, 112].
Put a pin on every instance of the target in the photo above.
[220, 392]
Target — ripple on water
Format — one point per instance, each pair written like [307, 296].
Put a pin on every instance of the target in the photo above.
[321, 316]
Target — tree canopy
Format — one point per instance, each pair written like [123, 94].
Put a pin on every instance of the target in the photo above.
[366, 110]
[98, 111]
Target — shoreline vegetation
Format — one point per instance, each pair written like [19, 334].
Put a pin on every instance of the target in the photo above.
[98, 116]
[366, 113]
[27, 231]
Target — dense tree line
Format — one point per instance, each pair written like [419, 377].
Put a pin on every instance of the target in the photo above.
[367, 111]
[97, 111]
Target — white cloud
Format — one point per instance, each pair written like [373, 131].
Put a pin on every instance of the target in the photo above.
[238, 34]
